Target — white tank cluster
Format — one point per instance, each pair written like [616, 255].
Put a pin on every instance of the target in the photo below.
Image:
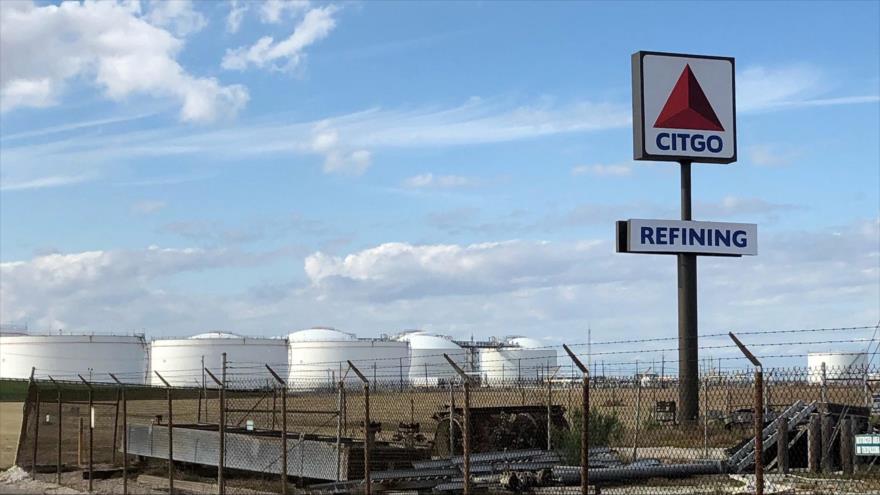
[317, 358]
[65, 356]
[179, 361]
[838, 366]
[313, 358]
[428, 367]
[516, 359]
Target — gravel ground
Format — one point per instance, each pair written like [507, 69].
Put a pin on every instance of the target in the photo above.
[15, 481]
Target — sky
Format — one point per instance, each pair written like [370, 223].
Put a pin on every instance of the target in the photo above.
[180, 167]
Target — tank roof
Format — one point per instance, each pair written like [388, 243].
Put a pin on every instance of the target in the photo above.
[216, 335]
[321, 334]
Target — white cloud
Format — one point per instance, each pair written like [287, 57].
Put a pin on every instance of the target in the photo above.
[177, 15]
[43, 48]
[337, 159]
[543, 289]
[600, 170]
[272, 11]
[287, 54]
[102, 284]
[237, 9]
[761, 88]
[771, 155]
[429, 180]
[43, 182]
[346, 142]
[148, 206]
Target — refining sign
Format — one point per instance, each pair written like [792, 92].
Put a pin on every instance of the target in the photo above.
[684, 108]
[681, 236]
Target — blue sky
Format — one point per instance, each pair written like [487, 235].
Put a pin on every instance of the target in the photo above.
[453, 166]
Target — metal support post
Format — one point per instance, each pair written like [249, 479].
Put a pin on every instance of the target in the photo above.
[221, 456]
[221, 480]
[759, 431]
[585, 423]
[170, 435]
[638, 425]
[706, 417]
[36, 434]
[466, 425]
[782, 445]
[814, 443]
[368, 433]
[339, 412]
[60, 435]
[759, 414]
[688, 346]
[283, 470]
[124, 435]
[91, 432]
[824, 390]
[115, 427]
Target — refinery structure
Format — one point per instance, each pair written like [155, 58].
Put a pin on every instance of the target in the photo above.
[313, 358]
[310, 359]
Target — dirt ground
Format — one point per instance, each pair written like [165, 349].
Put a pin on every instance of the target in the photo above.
[10, 427]
[72, 483]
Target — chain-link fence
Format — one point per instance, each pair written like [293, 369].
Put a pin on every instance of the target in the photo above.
[237, 432]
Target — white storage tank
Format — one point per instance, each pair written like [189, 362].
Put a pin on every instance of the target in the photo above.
[179, 361]
[428, 367]
[65, 356]
[318, 357]
[838, 366]
[517, 359]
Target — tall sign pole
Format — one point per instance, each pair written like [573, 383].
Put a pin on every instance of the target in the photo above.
[688, 346]
[684, 110]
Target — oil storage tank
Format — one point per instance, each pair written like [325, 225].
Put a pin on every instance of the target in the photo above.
[516, 359]
[427, 366]
[65, 356]
[839, 366]
[179, 361]
[317, 358]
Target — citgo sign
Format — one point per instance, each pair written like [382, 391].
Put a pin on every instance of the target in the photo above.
[684, 107]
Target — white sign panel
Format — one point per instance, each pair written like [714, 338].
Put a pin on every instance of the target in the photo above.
[868, 445]
[684, 108]
[680, 236]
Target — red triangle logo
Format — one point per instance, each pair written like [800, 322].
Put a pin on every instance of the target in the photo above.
[687, 106]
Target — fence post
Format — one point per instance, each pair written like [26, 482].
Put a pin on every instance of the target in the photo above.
[283, 428]
[339, 421]
[451, 421]
[58, 453]
[827, 439]
[36, 433]
[124, 435]
[91, 431]
[846, 446]
[170, 435]
[115, 427]
[79, 444]
[706, 417]
[22, 433]
[221, 484]
[585, 423]
[466, 427]
[221, 426]
[824, 391]
[782, 445]
[814, 443]
[759, 414]
[638, 415]
[368, 434]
